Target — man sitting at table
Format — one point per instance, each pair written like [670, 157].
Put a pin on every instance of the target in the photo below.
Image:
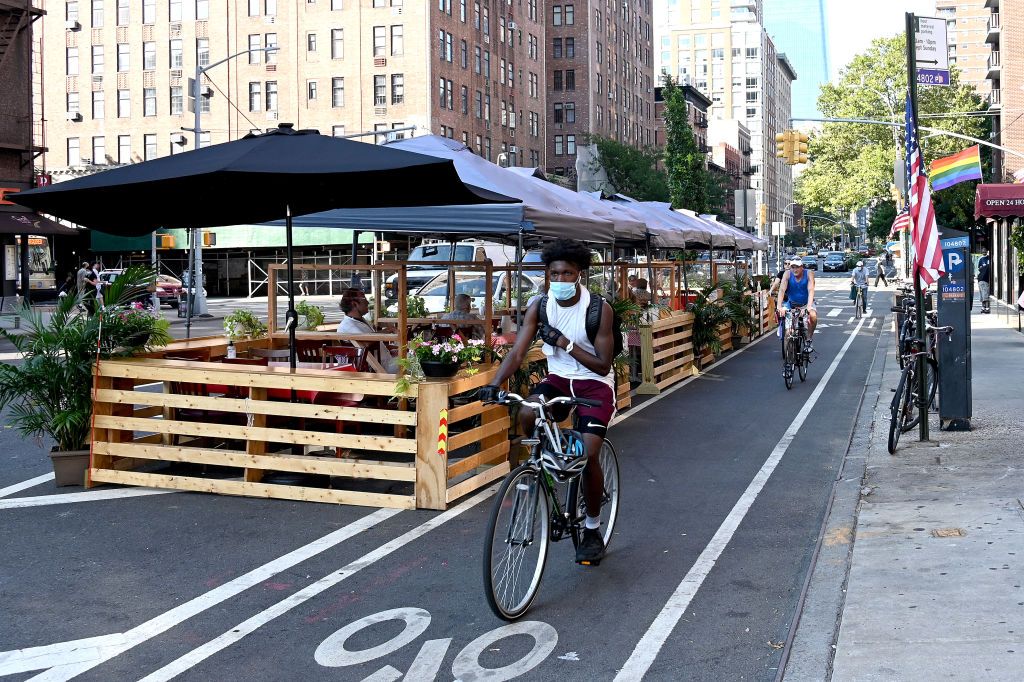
[462, 312]
[355, 306]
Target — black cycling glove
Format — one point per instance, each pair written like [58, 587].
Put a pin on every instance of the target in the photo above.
[489, 393]
[548, 334]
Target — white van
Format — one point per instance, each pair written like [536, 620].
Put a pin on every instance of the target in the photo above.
[466, 251]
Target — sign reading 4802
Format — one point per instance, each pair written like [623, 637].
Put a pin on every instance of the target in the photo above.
[931, 51]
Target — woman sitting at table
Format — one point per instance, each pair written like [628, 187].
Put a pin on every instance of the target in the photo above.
[355, 306]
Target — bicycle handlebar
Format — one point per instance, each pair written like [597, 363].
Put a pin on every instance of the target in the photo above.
[504, 397]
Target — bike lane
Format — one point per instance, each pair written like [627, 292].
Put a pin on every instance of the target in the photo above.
[685, 461]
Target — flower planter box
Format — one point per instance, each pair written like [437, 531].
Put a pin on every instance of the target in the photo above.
[69, 467]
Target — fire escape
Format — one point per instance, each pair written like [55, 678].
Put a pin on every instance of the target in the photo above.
[17, 16]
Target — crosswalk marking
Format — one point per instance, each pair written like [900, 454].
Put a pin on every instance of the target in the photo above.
[835, 312]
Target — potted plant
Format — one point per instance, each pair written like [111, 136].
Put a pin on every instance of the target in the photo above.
[442, 358]
[737, 306]
[242, 324]
[313, 316]
[707, 318]
[50, 391]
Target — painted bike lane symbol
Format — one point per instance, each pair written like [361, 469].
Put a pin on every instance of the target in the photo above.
[333, 653]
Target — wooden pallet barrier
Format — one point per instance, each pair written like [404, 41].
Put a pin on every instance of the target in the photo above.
[666, 352]
[150, 415]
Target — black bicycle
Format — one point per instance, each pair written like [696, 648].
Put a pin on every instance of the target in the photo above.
[527, 515]
[904, 409]
[795, 356]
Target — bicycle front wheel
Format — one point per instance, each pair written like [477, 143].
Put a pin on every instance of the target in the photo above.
[516, 546]
[609, 495]
[858, 305]
[789, 360]
[801, 363]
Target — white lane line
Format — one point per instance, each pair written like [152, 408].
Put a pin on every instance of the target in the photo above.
[11, 356]
[60, 653]
[88, 496]
[633, 410]
[208, 600]
[30, 483]
[650, 644]
[850, 321]
[250, 625]
[835, 312]
[872, 322]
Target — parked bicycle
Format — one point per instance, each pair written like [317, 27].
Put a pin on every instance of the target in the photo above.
[905, 411]
[795, 354]
[527, 515]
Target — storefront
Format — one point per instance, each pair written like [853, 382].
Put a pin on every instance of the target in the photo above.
[1001, 208]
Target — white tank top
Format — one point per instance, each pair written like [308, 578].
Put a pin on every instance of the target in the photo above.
[572, 322]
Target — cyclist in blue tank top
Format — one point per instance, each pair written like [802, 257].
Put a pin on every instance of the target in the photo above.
[797, 289]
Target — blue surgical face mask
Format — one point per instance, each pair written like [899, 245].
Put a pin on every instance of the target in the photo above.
[562, 291]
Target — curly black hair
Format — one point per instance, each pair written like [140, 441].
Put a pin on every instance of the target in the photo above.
[568, 250]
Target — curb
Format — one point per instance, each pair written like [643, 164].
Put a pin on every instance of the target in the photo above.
[819, 613]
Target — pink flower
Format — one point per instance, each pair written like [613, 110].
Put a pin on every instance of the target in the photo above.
[437, 349]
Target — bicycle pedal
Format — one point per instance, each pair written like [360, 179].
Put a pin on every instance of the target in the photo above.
[593, 562]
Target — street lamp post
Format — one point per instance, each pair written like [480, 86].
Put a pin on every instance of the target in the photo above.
[197, 300]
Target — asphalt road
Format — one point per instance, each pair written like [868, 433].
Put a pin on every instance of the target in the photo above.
[725, 482]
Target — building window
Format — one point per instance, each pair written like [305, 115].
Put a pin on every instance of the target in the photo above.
[556, 80]
[398, 88]
[74, 152]
[556, 48]
[176, 55]
[255, 41]
[464, 99]
[124, 149]
[449, 51]
[71, 10]
[124, 104]
[534, 85]
[337, 5]
[558, 112]
[337, 43]
[254, 8]
[149, 55]
[487, 64]
[270, 40]
[570, 48]
[97, 105]
[97, 59]
[255, 95]
[556, 15]
[271, 96]
[478, 104]
[174, 10]
[310, 42]
[380, 91]
[97, 13]
[464, 54]
[476, 59]
[570, 79]
[337, 92]
[398, 40]
[71, 61]
[202, 10]
[559, 145]
[570, 145]
[73, 103]
[310, 90]
[149, 101]
[99, 150]
[177, 100]
[203, 51]
[570, 112]
[337, 131]
[123, 51]
[149, 11]
[270, 9]
[569, 21]
[379, 40]
[148, 147]
[122, 12]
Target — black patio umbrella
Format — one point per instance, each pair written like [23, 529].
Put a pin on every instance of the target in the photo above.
[273, 175]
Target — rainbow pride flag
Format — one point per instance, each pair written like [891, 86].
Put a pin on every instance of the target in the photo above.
[950, 170]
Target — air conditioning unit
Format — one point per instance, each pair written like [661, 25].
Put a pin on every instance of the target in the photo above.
[513, 149]
[74, 116]
[175, 73]
[72, 25]
[487, 40]
[175, 27]
[271, 67]
[380, 61]
[269, 20]
[396, 11]
[380, 111]
[271, 115]
[512, 25]
[98, 80]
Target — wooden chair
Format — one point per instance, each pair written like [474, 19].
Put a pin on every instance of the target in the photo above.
[270, 353]
[354, 356]
[308, 351]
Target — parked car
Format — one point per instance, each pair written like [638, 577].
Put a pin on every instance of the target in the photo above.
[823, 253]
[465, 251]
[834, 262]
[810, 262]
[167, 289]
[435, 292]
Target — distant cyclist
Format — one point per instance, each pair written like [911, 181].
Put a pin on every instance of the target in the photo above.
[797, 291]
[578, 365]
[859, 279]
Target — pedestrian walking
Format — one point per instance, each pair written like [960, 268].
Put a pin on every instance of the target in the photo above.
[883, 269]
[81, 276]
[984, 278]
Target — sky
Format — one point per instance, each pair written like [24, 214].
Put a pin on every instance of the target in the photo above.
[852, 25]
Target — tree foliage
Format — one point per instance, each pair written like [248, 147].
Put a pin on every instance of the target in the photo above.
[852, 164]
[685, 163]
[632, 171]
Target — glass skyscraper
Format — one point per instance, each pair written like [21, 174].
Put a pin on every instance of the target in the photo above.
[798, 29]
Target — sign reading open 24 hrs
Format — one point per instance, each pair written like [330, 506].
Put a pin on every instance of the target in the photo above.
[931, 51]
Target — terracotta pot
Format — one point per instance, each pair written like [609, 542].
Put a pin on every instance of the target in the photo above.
[438, 370]
[69, 466]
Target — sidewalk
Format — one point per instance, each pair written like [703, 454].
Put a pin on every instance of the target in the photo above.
[936, 582]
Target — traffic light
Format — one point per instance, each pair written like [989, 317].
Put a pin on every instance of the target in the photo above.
[165, 241]
[209, 238]
[791, 145]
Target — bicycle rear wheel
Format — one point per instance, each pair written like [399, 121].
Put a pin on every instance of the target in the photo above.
[801, 359]
[609, 496]
[789, 360]
[896, 412]
[932, 367]
[517, 539]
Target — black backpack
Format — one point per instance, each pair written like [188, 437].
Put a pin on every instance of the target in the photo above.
[593, 322]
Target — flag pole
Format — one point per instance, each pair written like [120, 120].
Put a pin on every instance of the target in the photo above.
[922, 322]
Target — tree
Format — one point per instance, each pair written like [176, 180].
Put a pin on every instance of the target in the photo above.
[717, 195]
[685, 163]
[632, 171]
[882, 216]
[852, 164]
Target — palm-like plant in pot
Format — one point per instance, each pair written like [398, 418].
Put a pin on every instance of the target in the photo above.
[738, 305]
[707, 317]
[49, 392]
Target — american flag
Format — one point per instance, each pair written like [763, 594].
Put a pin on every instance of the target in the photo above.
[901, 222]
[924, 233]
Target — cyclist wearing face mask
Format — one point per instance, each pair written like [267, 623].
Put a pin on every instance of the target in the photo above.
[577, 366]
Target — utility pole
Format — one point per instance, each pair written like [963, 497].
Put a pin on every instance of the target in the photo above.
[922, 322]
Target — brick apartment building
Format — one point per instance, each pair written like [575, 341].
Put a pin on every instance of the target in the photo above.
[599, 76]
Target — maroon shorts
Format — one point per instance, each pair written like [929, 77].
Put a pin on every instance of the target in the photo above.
[588, 419]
